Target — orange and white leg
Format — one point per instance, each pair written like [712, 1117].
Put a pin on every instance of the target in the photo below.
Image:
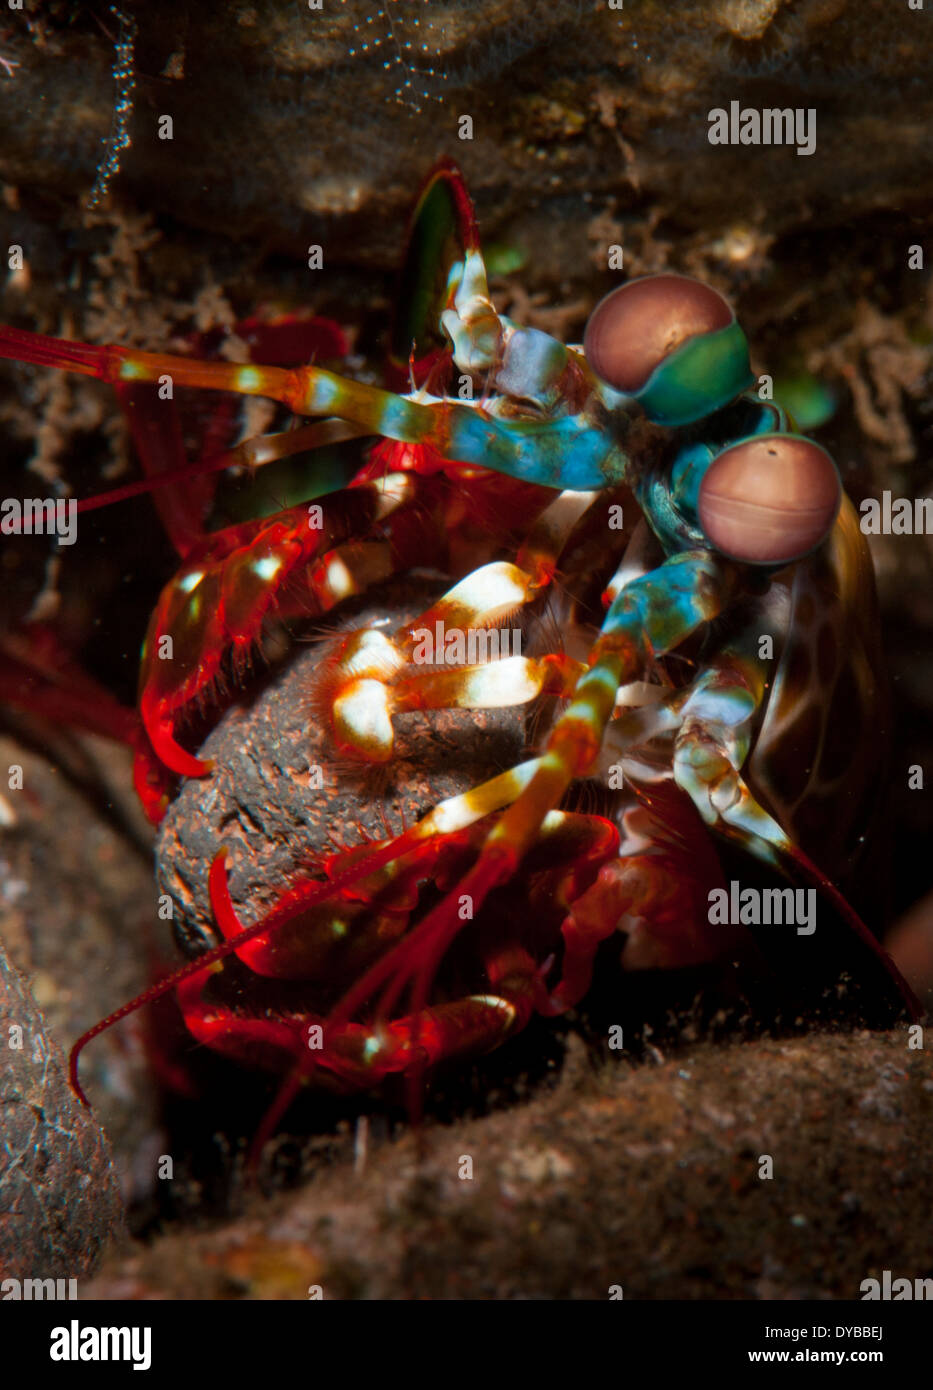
[372, 675]
[711, 747]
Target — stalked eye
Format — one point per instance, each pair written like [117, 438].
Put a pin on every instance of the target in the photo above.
[770, 499]
[672, 343]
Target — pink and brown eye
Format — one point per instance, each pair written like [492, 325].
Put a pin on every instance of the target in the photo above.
[769, 500]
[673, 344]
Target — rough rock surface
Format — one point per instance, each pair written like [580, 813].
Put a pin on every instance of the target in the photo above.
[59, 1201]
[649, 1177]
[78, 919]
[263, 802]
[286, 124]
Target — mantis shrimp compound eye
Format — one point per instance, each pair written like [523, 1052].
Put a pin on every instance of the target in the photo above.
[672, 343]
[770, 499]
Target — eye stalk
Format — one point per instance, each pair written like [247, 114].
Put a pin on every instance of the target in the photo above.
[673, 344]
[770, 499]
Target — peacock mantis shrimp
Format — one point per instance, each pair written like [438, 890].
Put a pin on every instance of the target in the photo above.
[734, 665]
